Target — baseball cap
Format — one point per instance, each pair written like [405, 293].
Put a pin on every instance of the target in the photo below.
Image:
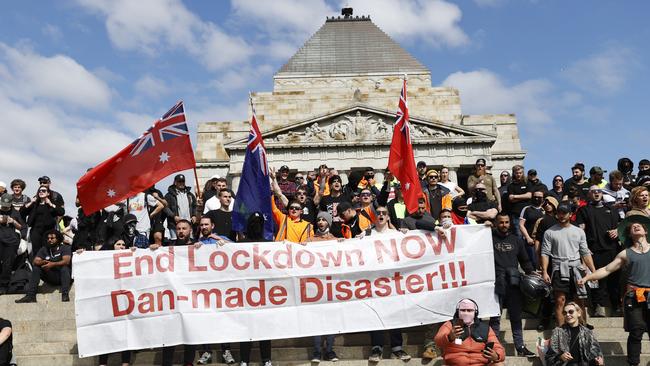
[179, 178]
[564, 208]
[644, 162]
[333, 178]
[44, 179]
[422, 164]
[284, 168]
[216, 176]
[480, 161]
[5, 201]
[532, 172]
[596, 170]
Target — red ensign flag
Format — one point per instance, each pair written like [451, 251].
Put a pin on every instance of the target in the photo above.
[163, 149]
[401, 161]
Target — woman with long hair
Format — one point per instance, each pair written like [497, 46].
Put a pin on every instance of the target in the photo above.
[573, 343]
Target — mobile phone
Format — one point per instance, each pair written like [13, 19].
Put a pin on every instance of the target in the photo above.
[489, 345]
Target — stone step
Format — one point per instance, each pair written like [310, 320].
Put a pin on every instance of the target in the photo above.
[69, 360]
[610, 322]
[602, 334]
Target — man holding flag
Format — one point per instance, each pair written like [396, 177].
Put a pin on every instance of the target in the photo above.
[401, 161]
[254, 192]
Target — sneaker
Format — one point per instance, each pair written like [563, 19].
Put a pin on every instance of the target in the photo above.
[400, 355]
[331, 356]
[600, 312]
[525, 352]
[429, 353]
[227, 357]
[375, 355]
[26, 299]
[268, 363]
[315, 357]
[65, 297]
[243, 363]
[206, 358]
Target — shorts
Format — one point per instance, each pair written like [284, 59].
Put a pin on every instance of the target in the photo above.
[567, 287]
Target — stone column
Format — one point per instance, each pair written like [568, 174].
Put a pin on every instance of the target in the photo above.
[452, 173]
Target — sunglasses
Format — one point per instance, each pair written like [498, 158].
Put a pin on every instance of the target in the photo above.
[335, 181]
[570, 312]
[480, 165]
[301, 193]
[42, 191]
[299, 178]
[382, 213]
[365, 194]
[432, 177]
[557, 180]
[505, 175]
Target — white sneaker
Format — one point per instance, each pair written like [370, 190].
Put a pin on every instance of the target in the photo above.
[227, 357]
[268, 363]
[206, 358]
[242, 363]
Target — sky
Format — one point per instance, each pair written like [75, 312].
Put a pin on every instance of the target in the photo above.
[81, 79]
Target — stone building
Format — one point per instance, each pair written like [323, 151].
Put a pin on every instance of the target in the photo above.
[335, 100]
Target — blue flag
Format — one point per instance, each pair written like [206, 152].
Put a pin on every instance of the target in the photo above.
[254, 192]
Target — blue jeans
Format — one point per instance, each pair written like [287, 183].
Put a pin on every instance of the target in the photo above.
[329, 342]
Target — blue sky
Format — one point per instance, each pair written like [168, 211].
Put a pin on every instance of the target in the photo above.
[81, 79]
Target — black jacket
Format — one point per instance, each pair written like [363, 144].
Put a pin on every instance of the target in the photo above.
[172, 204]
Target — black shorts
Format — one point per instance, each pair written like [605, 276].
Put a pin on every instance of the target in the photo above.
[568, 287]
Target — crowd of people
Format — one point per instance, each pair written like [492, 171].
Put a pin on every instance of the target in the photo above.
[569, 238]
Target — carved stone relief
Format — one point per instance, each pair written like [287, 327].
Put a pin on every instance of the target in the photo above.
[355, 127]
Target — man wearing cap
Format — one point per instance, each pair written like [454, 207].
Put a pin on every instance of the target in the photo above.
[519, 195]
[55, 196]
[481, 175]
[10, 221]
[181, 204]
[420, 219]
[633, 234]
[330, 201]
[436, 195]
[527, 219]
[535, 183]
[577, 182]
[288, 187]
[564, 246]
[348, 227]
[599, 223]
[422, 172]
[596, 177]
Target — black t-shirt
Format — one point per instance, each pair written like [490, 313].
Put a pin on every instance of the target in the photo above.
[539, 186]
[8, 235]
[518, 188]
[544, 224]
[4, 323]
[329, 203]
[531, 214]
[222, 223]
[54, 254]
[583, 189]
[597, 221]
[574, 346]
[481, 206]
[309, 211]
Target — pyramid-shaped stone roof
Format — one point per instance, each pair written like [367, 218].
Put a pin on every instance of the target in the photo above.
[350, 46]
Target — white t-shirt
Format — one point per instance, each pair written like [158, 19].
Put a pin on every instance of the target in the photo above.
[214, 204]
[451, 186]
[141, 212]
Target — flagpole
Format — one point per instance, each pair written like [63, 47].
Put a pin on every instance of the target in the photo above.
[196, 179]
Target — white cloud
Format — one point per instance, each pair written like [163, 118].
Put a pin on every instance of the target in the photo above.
[151, 86]
[605, 72]
[153, 26]
[30, 77]
[52, 32]
[245, 77]
[432, 21]
[483, 92]
[489, 3]
[294, 16]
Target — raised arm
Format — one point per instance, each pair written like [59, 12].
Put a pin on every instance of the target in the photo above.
[611, 267]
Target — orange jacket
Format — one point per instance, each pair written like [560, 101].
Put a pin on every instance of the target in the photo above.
[297, 231]
[470, 352]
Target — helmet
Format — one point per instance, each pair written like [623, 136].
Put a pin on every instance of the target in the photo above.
[534, 287]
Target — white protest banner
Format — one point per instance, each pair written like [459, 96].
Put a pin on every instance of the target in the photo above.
[255, 291]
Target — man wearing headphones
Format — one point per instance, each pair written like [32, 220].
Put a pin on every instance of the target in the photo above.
[465, 340]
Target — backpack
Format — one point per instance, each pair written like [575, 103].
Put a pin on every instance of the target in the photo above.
[20, 278]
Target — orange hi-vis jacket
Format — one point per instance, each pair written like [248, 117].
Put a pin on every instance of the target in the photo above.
[297, 231]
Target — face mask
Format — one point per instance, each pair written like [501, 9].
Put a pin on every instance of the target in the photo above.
[467, 318]
[130, 229]
[537, 200]
[447, 222]
[480, 195]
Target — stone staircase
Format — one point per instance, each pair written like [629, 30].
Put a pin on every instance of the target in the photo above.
[44, 334]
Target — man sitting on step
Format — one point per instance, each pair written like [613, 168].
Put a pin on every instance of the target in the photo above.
[52, 265]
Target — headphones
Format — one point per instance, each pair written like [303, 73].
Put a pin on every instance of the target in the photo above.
[458, 306]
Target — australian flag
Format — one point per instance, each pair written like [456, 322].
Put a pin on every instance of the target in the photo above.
[254, 192]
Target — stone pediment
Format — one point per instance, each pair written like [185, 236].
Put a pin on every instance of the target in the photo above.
[361, 126]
